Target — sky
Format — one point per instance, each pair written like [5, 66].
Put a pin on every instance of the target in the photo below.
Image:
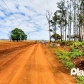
[28, 15]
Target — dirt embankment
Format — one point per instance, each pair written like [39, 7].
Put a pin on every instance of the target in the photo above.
[6, 47]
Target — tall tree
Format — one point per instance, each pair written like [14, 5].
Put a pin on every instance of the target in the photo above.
[61, 13]
[54, 22]
[69, 18]
[48, 16]
[69, 12]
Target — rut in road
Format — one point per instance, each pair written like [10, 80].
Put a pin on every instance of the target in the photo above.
[36, 65]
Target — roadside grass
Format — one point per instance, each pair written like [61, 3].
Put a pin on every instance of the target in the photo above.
[65, 58]
[80, 79]
[76, 51]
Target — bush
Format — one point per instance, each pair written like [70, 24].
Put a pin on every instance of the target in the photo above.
[67, 43]
[74, 55]
[67, 57]
[69, 65]
[80, 80]
[74, 50]
[61, 52]
[64, 58]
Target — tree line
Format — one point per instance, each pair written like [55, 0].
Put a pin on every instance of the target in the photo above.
[69, 19]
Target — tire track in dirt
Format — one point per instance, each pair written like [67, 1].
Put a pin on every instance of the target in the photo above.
[36, 65]
[39, 70]
[16, 66]
[13, 56]
[57, 68]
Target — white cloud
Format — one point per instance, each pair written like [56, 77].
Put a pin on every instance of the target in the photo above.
[29, 15]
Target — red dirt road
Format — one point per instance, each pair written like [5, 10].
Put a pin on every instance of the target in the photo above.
[35, 64]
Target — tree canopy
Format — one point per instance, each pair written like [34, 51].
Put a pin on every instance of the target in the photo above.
[68, 20]
[18, 35]
[56, 37]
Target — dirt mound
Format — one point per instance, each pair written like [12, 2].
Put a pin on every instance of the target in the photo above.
[79, 63]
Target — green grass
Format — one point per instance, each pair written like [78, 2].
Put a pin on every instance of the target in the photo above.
[69, 65]
[77, 50]
[67, 57]
[64, 58]
[80, 80]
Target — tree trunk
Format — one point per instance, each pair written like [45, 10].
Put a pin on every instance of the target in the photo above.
[49, 33]
[65, 33]
[61, 32]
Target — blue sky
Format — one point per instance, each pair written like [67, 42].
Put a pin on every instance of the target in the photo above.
[28, 15]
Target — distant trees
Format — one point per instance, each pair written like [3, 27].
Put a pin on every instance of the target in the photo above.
[69, 19]
[18, 35]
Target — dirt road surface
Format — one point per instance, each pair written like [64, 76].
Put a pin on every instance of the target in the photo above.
[35, 64]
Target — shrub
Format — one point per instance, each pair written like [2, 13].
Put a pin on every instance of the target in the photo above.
[67, 43]
[74, 50]
[64, 58]
[61, 52]
[69, 65]
[67, 57]
[76, 54]
[80, 80]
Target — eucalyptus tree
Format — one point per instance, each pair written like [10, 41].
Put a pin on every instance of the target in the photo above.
[81, 19]
[62, 19]
[69, 17]
[54, 22]
[65, 18]
[48, 16]
[82, 11]
[76, 14]
[55, 19]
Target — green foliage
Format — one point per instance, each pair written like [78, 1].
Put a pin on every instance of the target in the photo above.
[18, 34]
[78, 45]
[56, 36]
[61, 53]
[74, 55]
[74, 50]
[67, 43]
[64, 57]
[80, 80]
[69, 65]
[67, 57]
